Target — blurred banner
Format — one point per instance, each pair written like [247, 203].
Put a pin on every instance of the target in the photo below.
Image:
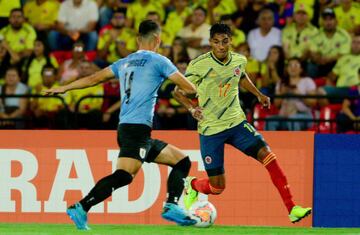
[43, 172]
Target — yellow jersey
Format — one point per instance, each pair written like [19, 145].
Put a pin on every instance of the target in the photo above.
[46, 13]
[19, 40]
[347, 68]
[350, 19]
[340, 43]
[127, 36]
[218, 91]
[296, 43]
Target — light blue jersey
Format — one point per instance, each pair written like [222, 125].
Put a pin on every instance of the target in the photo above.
[140, 75]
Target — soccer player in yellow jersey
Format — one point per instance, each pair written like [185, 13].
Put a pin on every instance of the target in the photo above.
[217, 76]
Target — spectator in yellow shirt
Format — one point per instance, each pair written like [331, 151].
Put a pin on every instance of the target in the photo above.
[89, 113]
[296, 37]
[45, 109]
[42, 15]
[116, 42]
[138, 11]
[345, 72]
[328, 46]
[34, 65]
[218, 8]
[161, 3]
[348, 15]
[20, 36]
[176, 19]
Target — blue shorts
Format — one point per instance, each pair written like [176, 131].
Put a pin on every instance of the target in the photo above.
[243, 137]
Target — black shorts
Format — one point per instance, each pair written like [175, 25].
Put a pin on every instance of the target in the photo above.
[135, 142]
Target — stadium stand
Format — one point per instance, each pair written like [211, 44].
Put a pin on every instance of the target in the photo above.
[68, 34]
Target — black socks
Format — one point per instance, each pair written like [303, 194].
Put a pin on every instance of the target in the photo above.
[176, 178]
[104, 188]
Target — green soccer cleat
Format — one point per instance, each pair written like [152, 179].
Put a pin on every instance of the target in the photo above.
[191, 195]
[298, 213]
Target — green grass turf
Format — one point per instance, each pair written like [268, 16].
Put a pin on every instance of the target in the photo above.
[62, 229]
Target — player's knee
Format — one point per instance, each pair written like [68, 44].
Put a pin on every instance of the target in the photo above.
[122, 178]
[217, 183]
[263, 153]
[217, 189]
[267, 157]
[183, 165]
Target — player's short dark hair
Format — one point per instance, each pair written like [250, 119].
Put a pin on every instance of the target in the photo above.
[147, 28]
[220, 28]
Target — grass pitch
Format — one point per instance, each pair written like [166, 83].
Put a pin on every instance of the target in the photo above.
[65, 229]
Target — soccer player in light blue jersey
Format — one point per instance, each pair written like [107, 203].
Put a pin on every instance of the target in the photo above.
[140, 75]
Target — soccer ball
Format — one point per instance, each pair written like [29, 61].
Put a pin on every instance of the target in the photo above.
[204, 213]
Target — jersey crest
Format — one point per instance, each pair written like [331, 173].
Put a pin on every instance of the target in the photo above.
[237, 71]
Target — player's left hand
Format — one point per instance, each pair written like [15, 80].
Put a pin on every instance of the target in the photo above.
[197, 113]
[264, 100]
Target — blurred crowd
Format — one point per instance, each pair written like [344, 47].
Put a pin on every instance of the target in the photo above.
[293, 47]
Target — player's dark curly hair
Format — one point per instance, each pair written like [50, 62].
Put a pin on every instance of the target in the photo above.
[220, 28]
[147, 28]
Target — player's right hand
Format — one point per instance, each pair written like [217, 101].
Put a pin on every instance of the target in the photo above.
[264, 100]
[55, 90]
[197, 113]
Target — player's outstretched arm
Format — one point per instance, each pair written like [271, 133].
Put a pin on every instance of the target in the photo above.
[88, 81]
[183, 99]
[183, 90]
[246, 83]
[184, 84]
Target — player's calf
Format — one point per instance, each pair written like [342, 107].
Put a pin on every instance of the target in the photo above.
[193, 186]
[206, 187]
[216, 190]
